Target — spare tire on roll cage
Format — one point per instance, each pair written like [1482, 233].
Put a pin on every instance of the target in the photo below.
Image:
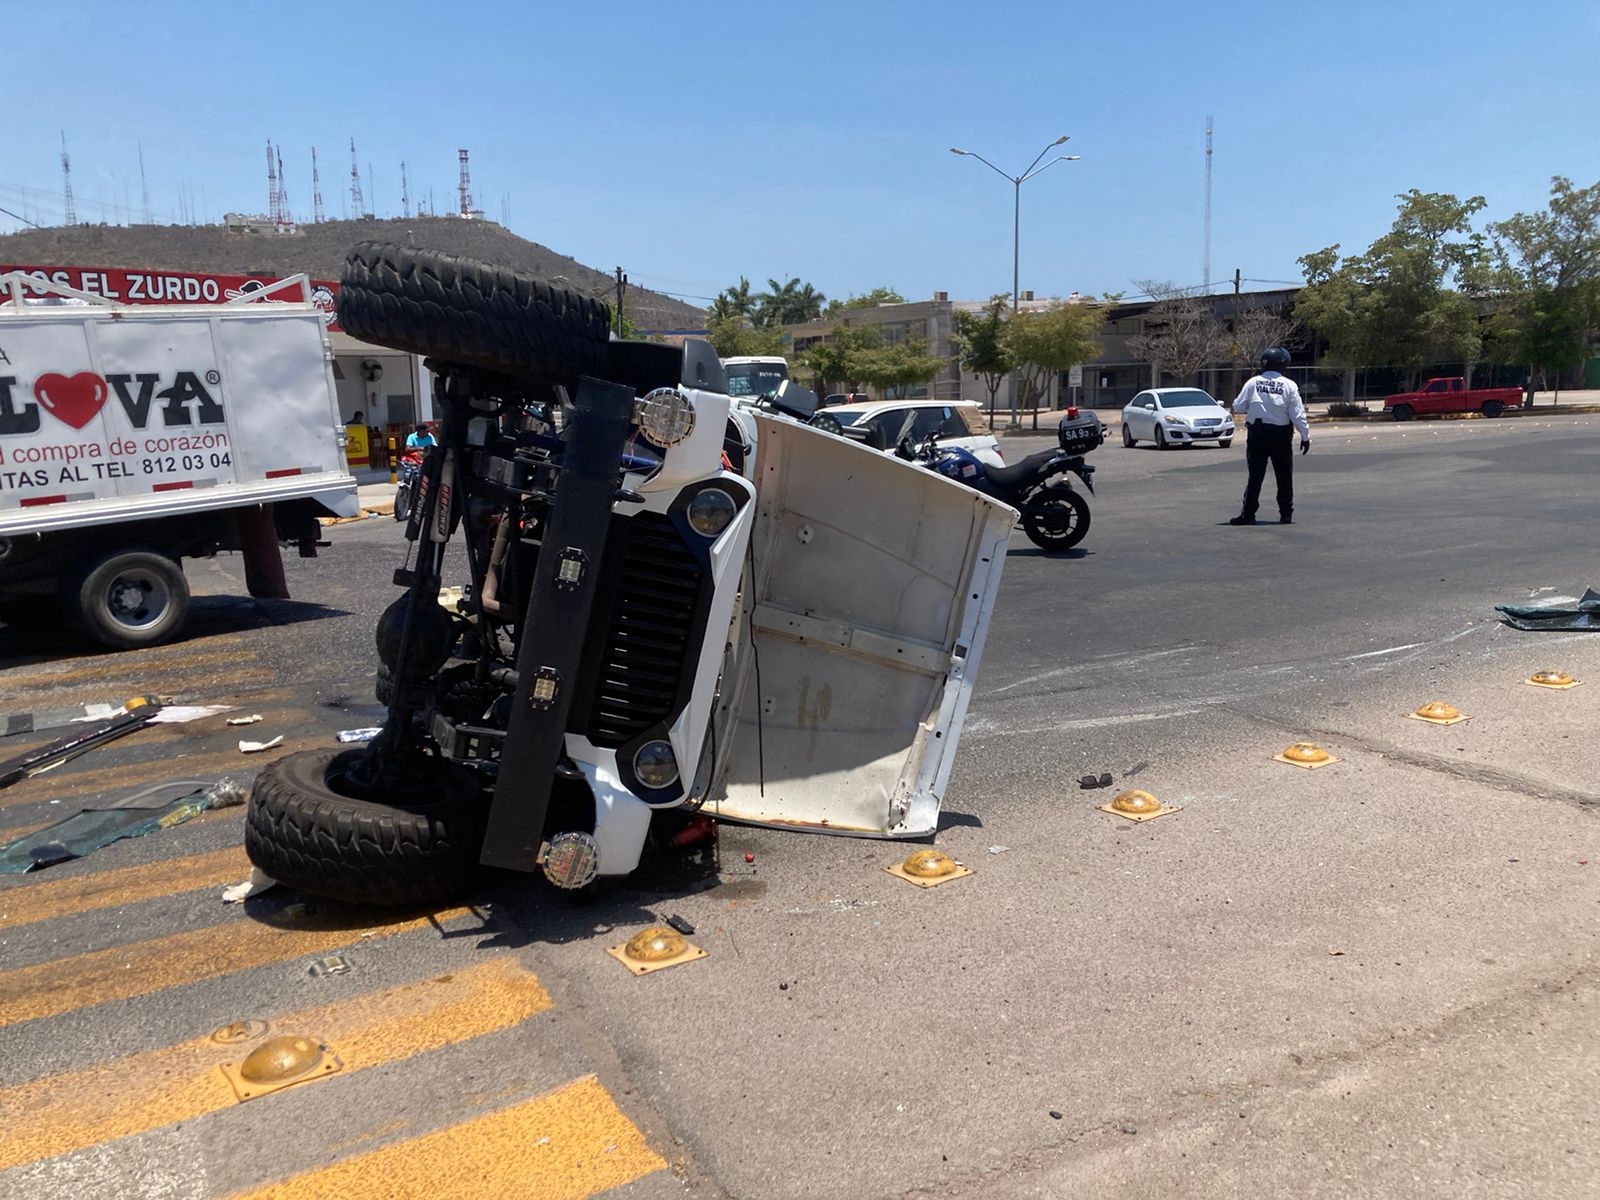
[472, 313]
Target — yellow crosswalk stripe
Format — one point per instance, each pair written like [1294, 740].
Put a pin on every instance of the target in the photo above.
[140, 968]
[147, 1091]
[566, 1145]
[28, 903]
[134, 672]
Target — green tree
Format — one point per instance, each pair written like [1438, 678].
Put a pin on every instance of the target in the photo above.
[1045, 342]
[877, 296]
[831, 362]
[980, 342]
[788, 303]
[1409, 301]
[735, 336]
[1548, 280]
[899, 365]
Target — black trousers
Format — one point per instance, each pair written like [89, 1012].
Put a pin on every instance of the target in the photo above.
[1266, 443]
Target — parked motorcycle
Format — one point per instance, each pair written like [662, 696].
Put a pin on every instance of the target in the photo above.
[1054, 516]
[405, 492]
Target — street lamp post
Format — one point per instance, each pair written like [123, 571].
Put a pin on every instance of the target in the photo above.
[1034, 168]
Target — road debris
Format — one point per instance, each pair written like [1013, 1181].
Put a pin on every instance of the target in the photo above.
[227, 792]
[182, 714]
[681, 925]
[137, 713]
[998, 849]
[250, 720]
[1566, 618]
[258, 882]
[365, 734]
[87, 831]
[1089, 782]
[257, 747]
[332, 964]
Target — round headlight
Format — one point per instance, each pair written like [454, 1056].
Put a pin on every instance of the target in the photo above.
[655, 765]
[710, 511]
[665, 416]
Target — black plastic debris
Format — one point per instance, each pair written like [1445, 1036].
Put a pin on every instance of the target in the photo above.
[1095, 781]
[681, 925]
[1585, 616]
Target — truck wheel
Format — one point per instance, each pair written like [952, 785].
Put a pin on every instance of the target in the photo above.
[1402, 412]
[132, 598]
[471, 312]
[301, 829]
[1492, 409]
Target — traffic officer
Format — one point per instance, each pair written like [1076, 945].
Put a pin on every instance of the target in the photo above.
[1272, 411]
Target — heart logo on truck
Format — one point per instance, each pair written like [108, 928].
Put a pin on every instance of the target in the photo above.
[75, 399]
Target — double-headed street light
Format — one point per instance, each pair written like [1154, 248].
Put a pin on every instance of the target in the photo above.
[1034, 168]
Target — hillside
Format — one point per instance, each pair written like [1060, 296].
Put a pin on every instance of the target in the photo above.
[319, 251]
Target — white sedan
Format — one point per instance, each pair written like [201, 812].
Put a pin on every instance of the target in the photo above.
[1175, 417]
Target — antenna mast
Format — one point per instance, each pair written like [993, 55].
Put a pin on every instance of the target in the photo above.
[405, 193]
[465, 186]
[356, 202]
[283, 193]
[316, 190]
[144, 189]
[1208, 208]
[66, 181]
[272, 185]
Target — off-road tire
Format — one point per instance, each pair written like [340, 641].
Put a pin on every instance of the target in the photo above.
[302, 832]
[473, 313]
[104, 604]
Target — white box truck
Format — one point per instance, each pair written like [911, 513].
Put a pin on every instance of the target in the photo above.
[133, 437]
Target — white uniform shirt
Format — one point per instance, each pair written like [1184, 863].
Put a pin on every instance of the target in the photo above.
[1275, 399]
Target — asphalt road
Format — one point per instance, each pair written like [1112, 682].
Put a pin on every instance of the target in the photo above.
[1376, 978]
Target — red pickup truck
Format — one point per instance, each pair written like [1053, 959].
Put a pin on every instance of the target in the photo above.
[1452, 396]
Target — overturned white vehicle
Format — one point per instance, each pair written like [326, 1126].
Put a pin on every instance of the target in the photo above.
[668, 605]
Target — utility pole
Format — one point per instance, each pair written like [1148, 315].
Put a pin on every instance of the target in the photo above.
[622, 287]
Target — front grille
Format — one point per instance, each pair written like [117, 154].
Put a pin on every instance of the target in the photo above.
[649, 637]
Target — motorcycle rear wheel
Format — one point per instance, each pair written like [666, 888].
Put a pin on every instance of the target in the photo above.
[1056, 519]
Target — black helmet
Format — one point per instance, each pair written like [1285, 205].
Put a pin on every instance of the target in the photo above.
[1274, 358]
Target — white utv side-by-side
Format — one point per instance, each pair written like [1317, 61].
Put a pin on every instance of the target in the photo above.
[785, 636]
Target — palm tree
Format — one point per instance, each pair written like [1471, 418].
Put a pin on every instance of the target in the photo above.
[789, 303]
[734, 302]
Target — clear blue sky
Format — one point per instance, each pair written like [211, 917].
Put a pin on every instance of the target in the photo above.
[692, 144]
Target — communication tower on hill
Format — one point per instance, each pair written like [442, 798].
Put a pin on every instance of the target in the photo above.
[66, 181]
[272, 186]
[357, 204]
[284, 218]
[316, 190]
[405, 193]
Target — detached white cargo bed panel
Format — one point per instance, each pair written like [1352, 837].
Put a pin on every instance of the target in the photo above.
[113, 412]
[872, 586]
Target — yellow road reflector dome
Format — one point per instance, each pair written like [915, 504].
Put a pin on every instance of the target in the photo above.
[655, 949]
[928, 868]
[1135, 802]
[1138, 806]
[929, 864]
[653, 945]
[278, 1063]
[1305, 754]
[1552, 678]
[1437, 712]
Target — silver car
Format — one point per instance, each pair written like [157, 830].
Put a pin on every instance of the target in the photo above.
[1175, 417]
